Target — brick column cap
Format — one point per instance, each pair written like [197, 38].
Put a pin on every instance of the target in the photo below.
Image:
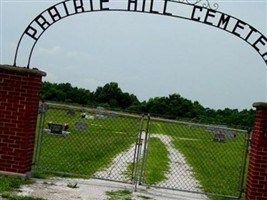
[260, 105]
[21, 70]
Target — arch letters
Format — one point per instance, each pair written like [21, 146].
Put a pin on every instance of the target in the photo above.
[172, 8]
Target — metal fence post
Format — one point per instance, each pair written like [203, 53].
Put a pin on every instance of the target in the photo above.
[142, 173]
[42, 111]
[137, 154]
[244, 162]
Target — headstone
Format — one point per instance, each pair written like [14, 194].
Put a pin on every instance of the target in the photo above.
[56, 128]
[228, 134]
[89, 117]
[219, 137]
[100, 112]
[83, 115]
[70, 113]
[100, 116]
[86, 116]
[81, 126]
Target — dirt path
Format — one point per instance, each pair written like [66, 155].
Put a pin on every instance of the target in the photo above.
[92, 189]
[180, 174]
[117, 170]
[118, 167]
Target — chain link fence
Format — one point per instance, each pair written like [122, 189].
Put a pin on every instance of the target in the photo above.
[200, 158]
[85, 142]
[141, 150]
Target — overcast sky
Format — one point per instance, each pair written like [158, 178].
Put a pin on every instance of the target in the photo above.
[147, 55]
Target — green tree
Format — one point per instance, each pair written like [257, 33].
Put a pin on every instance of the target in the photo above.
[174, 106]
[114, 97]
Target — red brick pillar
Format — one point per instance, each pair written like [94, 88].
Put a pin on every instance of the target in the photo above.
[257, 173]
[19, 98]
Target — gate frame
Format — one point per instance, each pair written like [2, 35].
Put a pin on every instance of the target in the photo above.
[246, 150]
[40, 129]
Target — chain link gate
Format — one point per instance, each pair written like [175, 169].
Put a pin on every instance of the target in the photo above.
[190, 157]
[141, 150]
[84, 142]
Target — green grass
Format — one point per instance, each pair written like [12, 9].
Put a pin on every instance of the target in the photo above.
[119, 195]
[22, 198]
[85, 151]
[144, 197]
[124, 195]
[9, 184]
[156, 163]
[216, 165]
[213, 169]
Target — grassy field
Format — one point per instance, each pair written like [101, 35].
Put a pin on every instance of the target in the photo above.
[85, 151]
[216, 165]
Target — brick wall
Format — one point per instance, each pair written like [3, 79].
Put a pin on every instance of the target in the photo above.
[257, 174]
[19, 99]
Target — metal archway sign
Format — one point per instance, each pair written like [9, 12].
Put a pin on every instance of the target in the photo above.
[198, 11]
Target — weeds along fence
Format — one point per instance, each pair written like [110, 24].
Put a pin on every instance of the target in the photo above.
[142, 150]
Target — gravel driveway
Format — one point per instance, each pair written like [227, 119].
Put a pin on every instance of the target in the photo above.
[93, 189]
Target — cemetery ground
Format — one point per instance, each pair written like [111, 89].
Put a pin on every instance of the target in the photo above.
[85, 151]
[89, 189]
[86, 189]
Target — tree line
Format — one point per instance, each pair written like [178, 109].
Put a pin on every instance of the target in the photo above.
[173, 106]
